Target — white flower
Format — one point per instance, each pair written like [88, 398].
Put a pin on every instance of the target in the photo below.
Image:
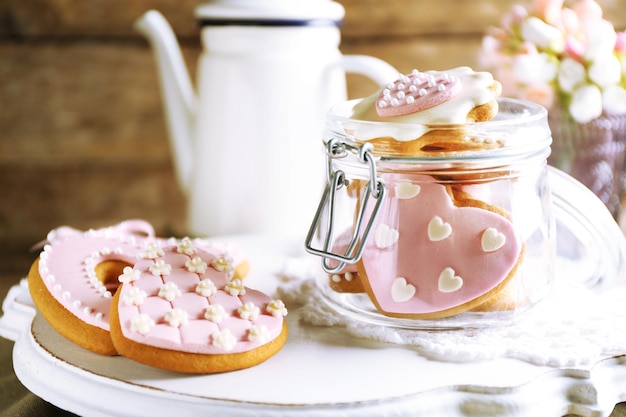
[276, 308]
[543, 35]
[206, 288]
[586, 103]
[169, 291]
[160, 268]
[224, 339]
[196, 265]
[152, 251]
[223, 264]
[185, 246]
[134, 296]
[248, 311]
[571, 74]
[534, 68]
[614, 100]
[605, 70]
[235, 288]
[141, 323]
[215, 313]
[176, 317]
[259, 334]
[600, 40]
[129, 274]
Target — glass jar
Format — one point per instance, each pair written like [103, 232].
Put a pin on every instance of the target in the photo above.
[461, 233]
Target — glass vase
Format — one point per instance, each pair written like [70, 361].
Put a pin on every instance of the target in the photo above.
[592, 152]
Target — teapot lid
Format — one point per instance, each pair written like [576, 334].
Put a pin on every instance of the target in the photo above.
[270, 12]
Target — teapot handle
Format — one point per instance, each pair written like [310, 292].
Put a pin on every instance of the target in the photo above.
[378, 70]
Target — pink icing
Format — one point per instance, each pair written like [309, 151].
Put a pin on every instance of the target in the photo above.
[409, 253]
[415, 92]
[68, 260]
[197, 334]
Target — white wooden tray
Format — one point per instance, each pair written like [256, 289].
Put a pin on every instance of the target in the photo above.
[319, 372]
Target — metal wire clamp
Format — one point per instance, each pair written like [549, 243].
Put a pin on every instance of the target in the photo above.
[375, 190]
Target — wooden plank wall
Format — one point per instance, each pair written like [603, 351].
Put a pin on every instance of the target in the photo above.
[82, 137]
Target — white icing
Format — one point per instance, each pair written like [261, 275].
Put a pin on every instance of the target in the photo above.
[448, 281]
[196, 265]
[169, 291]
[223, 339]
[405, 190]
[223, 264]
[258, 334]
[215, 313]
[401, 290]
[134, 296]
[385, 236]
[492, 240]
[176, 317]
[248, 311]
[141, 323]
[186, 247]
[276, 308]
[235, 287]
[152, 251]
[206, 288]
[438, 229]
[160, 268]
[475, 91]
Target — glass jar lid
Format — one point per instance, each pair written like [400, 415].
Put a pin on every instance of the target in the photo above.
[520, 128]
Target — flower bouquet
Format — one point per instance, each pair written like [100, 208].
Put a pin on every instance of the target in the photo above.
[570, 59]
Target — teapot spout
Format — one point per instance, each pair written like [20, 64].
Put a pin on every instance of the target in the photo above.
[178, 95]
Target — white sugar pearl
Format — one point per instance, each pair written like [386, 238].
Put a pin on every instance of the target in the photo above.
[410, 100]
[422, 92]
[400, 95]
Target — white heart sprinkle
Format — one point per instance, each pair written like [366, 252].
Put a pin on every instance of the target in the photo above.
[406, 190]
[438, 229]
[385, 236]
[401, 291]
[448, 282]
[492, 240]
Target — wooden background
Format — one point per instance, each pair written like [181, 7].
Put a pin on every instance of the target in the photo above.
[82, 136]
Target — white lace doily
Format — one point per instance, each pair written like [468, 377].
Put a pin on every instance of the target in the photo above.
[574, 326]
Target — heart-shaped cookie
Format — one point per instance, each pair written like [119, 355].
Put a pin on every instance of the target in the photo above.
[452, 256]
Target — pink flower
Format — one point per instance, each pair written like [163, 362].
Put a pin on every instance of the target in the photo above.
[549, 10]
[575, 48]
[620, 42]
[557, 53]
[588, 12]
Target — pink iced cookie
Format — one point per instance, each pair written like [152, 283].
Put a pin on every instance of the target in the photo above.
[415, 92]
[180, 309]
[75, 277]
[428, 258]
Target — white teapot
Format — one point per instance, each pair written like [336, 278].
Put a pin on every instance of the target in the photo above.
[247, 147]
